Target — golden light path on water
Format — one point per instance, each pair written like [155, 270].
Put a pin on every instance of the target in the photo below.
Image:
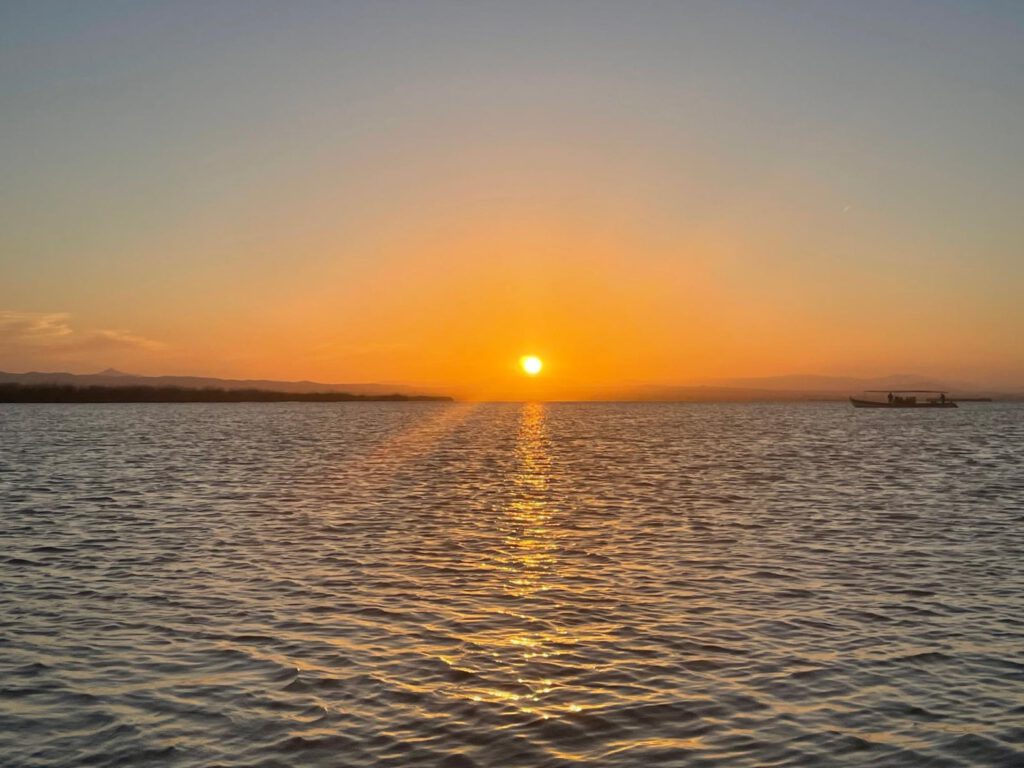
[527, 564]
[534, 585]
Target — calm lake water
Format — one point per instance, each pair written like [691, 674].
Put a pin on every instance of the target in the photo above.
[511, 585]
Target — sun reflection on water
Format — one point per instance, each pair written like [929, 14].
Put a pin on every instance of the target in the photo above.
[525, 649]
[530, 547]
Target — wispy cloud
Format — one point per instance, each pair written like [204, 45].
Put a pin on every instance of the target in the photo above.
[53, 332]
[33, 327]
[106, 339]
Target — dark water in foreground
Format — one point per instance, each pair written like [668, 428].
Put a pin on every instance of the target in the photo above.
[505, 585]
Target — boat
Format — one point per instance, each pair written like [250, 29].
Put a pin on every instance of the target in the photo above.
[905, 398]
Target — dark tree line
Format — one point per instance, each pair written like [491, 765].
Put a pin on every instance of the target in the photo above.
[68, 393]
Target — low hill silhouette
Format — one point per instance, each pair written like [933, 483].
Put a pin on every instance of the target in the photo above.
[69, 393]
[114, 378]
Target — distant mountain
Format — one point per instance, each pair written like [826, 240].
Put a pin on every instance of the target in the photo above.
[115, 378]
[770, 388]
[847, 384]
[70, 393]
[793, 387]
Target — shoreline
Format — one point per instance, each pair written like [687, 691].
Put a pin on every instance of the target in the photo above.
[66, 393]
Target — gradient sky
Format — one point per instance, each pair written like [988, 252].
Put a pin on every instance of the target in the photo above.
[421, 192]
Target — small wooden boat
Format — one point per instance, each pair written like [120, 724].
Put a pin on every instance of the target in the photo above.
[905, 398]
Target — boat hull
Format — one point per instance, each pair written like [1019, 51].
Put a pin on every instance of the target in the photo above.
[876, 404]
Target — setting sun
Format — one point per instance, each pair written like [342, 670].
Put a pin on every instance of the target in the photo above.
[531, 364]
[520, 353]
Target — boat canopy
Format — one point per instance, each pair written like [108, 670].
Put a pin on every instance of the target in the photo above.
[915, 391]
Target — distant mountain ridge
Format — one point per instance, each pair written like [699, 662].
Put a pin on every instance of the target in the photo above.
[809, 387]
[794, 387]
[770, 388]
[820, 383]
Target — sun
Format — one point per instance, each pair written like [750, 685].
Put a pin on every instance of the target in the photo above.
[531, 364]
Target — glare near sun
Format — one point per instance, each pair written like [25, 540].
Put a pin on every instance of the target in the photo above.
[531, 364]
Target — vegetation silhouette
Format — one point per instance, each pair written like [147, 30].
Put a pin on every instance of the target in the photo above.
[68, 393]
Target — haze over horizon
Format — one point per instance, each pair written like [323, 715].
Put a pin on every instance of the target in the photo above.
[421, 193]
[784, 388]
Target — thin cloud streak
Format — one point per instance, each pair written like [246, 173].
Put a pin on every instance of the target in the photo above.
[53, 334]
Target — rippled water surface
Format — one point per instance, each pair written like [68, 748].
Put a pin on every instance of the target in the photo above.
[511, 585]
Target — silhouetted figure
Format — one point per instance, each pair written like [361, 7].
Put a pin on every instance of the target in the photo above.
[891, 398]
[942, 398]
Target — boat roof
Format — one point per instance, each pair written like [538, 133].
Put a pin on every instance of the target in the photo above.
[919, 391]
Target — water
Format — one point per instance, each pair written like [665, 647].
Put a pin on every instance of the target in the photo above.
[511, 585]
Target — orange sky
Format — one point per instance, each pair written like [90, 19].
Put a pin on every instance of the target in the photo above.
[421, 195]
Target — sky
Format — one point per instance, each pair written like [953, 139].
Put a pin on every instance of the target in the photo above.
[422, 192]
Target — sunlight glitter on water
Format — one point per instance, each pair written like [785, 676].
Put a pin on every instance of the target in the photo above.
[528, 562]
[513, 585]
